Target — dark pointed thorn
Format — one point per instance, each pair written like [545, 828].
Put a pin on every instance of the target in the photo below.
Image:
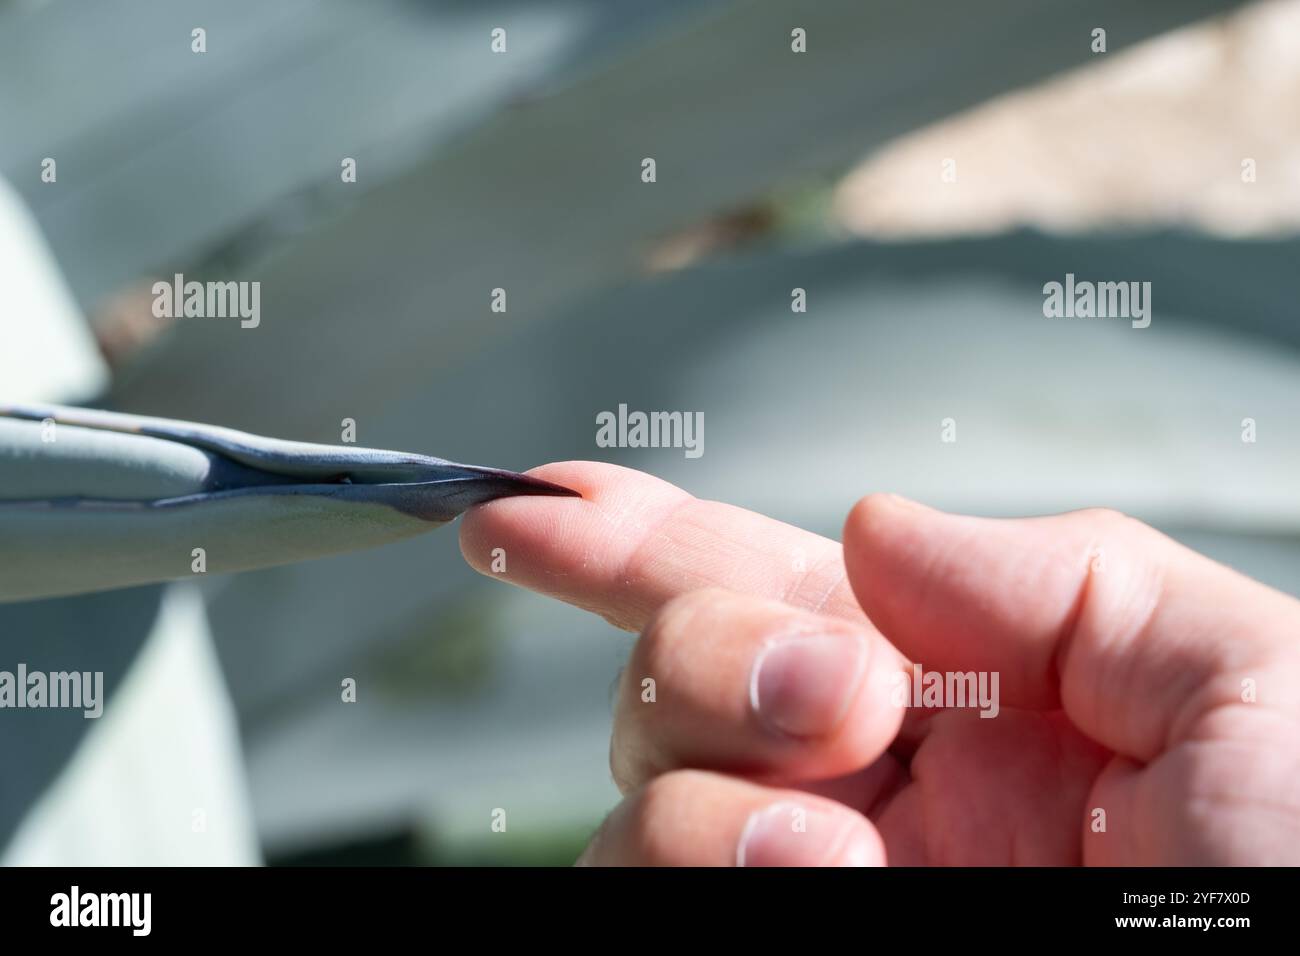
[521, 484]
[454, 490]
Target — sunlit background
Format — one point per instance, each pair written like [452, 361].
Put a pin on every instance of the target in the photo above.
[521, 170]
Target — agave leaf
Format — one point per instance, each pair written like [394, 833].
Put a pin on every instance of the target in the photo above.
[93, 500]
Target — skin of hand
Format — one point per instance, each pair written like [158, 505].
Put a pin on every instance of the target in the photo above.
[1149, 697]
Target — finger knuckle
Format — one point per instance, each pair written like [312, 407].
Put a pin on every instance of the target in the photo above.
[661, 806]
[674, 619]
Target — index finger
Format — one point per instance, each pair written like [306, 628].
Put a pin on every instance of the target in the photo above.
[633, 542]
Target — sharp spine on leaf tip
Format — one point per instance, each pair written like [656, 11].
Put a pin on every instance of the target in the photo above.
[92, 500]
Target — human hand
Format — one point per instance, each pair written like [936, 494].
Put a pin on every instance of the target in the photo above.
[1149, 698]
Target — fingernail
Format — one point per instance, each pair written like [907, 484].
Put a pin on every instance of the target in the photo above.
[788, 834]
[803, 684]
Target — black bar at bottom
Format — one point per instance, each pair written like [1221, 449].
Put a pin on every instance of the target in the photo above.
[333, 906]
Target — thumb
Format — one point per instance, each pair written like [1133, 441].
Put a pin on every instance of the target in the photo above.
[1135, 636]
